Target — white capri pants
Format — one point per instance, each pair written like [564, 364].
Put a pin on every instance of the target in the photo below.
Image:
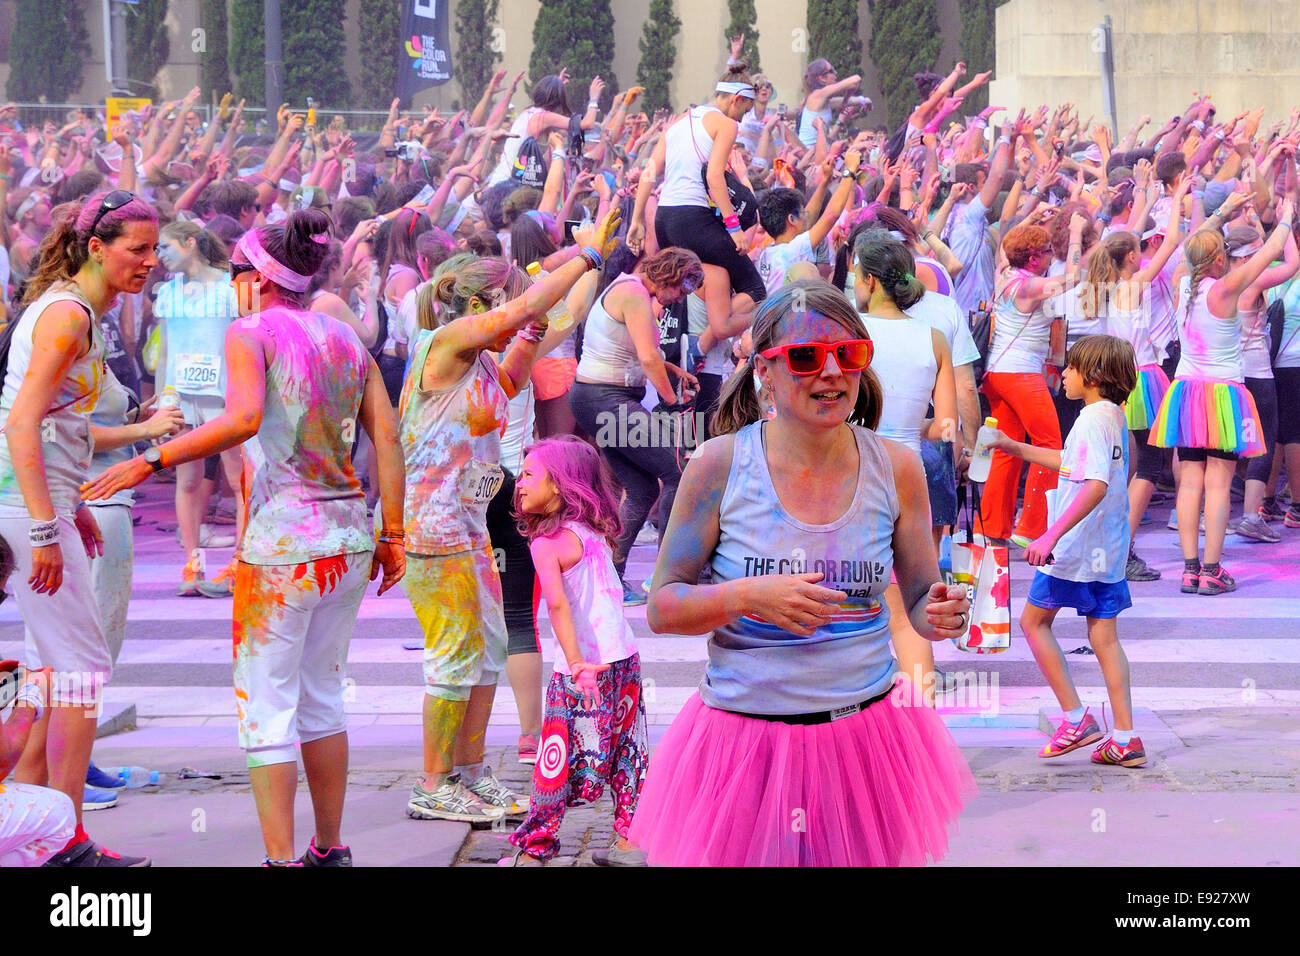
[113, 571]
[63, 630]
[35, 823]
[292, 627]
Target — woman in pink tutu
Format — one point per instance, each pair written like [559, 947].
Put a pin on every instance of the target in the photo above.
[803, 747]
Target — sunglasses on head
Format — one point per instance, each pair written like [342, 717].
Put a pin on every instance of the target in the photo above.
[809, 358]
[114, 200]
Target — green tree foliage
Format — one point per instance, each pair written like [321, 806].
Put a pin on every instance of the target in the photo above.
[833, 34]
[477, 55]
[577, 35]
[380, 23]
[744, 19]
[905, 39]
[314, 47]
[248, 52]
[658, 54]
[977, 47]
[147, 43]
[214, 76]
[47, 51]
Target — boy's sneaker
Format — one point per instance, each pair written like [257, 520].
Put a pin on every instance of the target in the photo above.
[1254, 528]
[1130, 755]
[528, 748]
[1272, 511]
[1219, 582]
[104, 781]
[1191, 580]
[451, 801]
[223, 585]
[335, 856]
[1292, 518]
[1070, 736]
[191, 575]
[496, 794]
[90, 853]
[1139, 570]
[633, 597]
[93, 798]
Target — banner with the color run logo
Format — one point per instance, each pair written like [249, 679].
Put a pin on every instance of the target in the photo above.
[425, 58]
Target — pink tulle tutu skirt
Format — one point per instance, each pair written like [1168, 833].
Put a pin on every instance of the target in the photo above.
[879, 788]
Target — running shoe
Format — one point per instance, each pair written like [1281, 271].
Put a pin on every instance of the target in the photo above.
[191, 575]
[1292, 518]
[93, 798]
[90, 853]
[1272, 511]
[1139, 570]
[104, 781]
[528, 748]
[267, 861]
[1254, 528]
[1130, 755]
[1220, 582]
[223, 585]
[633, 597]
[451, 801]
[1070, 736]
[1191, 580]
[211, 536]
[616, 857]
[335, 856]
[496, 794]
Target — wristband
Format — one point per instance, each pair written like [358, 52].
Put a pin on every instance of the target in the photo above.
[42, 533]
[593, 105]
[1004, 138]
[33, 696]
[594, 259]
[732, 222]
[1284, 225]
[533, 332]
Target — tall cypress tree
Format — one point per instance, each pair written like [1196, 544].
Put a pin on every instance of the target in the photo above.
[214, 59]
[744, 19]
[248, 52]
[147, 43]
[314, 48]
[476, 59]
[658, 54]
[905, 39]
[380, 23]
[977, 47]
[578, 35]
[47, 51]
[833, 34]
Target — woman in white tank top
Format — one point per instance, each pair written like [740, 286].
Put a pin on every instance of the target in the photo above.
[549, 111]
[1208, 414]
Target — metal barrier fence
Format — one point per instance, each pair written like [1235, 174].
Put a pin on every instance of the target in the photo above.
[35, 115]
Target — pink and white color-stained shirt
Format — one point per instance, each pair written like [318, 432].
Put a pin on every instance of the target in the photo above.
[304, 500]
[595, 596]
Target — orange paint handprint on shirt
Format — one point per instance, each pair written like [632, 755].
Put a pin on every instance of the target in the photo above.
[481, 414]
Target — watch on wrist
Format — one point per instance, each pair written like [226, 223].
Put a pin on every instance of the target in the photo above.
[153, 455]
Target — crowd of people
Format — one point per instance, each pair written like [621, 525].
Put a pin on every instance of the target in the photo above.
[448, 358]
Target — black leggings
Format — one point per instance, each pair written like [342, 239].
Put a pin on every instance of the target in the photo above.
[393, 371]
[698, 229]
[1150, 459]
[633, 442]
[1264, 391]
[519, 590]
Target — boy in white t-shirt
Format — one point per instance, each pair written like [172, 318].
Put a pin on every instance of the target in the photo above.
[1081, 559]
[781, 213]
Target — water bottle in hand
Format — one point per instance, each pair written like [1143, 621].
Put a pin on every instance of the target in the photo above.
[982, 458]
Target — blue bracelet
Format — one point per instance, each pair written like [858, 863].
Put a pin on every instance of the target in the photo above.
[596, 260]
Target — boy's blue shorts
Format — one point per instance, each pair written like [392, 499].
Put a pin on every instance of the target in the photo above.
[1088, 598]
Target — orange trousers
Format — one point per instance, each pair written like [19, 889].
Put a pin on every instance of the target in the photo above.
[1023, 407]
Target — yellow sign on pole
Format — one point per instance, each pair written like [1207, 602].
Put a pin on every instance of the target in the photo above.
[116, 108]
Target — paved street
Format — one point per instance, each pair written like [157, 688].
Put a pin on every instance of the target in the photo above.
[1216, 690]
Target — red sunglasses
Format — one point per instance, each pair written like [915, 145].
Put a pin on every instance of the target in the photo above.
[809, 358]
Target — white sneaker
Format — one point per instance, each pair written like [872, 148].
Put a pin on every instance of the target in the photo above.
[496, 794]
[214, 536]
[451, 801]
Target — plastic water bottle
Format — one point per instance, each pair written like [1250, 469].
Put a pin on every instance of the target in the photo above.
[982, 457]
[557, 316]
[134, 777]
[169, 397]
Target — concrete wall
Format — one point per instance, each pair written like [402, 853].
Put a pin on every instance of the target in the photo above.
[1245, 52]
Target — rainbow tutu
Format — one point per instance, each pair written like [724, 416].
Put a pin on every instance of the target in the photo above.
[1208, 413]
[1144, 401]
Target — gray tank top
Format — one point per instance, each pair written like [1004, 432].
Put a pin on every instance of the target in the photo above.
[608, 355]
[756, 667]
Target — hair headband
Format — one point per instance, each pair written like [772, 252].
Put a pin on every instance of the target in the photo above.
[742, 89]
[275, 270]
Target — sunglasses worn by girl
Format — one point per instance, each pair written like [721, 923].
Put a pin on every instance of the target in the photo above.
[809, 358]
